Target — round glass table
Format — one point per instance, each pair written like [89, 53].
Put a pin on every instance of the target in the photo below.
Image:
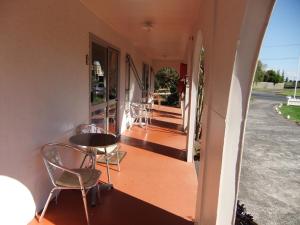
[93, 140]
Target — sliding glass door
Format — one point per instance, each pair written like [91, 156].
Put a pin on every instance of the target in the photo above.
[112, 84]
[145, 80]
[104, 76]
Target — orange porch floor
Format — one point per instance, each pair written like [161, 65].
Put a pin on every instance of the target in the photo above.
[155, 186]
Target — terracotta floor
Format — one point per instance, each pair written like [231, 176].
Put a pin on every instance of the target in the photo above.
[155, 186]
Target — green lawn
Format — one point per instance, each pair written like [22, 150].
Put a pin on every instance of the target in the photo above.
[289, 92]
[292, 111]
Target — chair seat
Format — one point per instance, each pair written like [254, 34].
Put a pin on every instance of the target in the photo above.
[89, 177]
[109, 149]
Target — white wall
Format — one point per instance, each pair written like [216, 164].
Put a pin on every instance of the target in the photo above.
[268, 85]
[44, 81]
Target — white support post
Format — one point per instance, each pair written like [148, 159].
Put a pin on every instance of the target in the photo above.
[186, 108]
[192, 116]
[194, 81]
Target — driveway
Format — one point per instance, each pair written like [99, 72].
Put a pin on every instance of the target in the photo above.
[270, 176]
[268, 96]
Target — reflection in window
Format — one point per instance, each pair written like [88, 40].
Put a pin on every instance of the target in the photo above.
[113, 74]
[145, 79]
[98, 88]
[98, 117]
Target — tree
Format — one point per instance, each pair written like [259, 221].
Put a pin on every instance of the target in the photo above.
[261, 75]
[286, 79]
[281, 79]
[260, 72]
[282, 75]
[167, 78]
[273, 76]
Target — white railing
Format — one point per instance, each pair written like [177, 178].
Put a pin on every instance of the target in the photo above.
[293, 101]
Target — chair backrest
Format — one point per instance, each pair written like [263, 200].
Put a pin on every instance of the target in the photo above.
[89, 128]
[55, 155]
[151, 99]
[135, 110]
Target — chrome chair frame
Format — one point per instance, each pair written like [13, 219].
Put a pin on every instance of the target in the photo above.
[139, 111]
[93, 128]
[55, 163]
[150, 106]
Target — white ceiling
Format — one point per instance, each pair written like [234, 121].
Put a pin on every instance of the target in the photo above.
[172, 23]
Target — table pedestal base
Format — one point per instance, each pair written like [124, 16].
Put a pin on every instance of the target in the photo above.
[94, 190]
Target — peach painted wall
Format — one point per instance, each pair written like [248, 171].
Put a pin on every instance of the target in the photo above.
[44, 81]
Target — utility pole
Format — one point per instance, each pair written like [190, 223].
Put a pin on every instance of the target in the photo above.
[297, 76]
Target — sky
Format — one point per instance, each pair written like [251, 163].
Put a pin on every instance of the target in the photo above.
[281, 45]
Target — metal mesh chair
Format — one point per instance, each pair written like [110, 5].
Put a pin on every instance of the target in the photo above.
[89, 128]
[107, 152]
[150, 106]
[139, 112]
[63, 175]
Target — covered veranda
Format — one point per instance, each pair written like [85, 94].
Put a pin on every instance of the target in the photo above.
[48, 54]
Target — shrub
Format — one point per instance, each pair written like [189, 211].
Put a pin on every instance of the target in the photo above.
[242, 217]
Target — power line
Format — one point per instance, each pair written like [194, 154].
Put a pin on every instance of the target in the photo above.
[283, 58]
[281, 45]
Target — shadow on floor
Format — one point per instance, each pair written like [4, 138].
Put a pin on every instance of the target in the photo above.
[170, 116]
[115, 208]
[164, 130]
[166, 112]
[168, 125]
[153, 147]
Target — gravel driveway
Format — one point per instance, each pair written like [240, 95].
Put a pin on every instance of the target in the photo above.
[270, 176]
